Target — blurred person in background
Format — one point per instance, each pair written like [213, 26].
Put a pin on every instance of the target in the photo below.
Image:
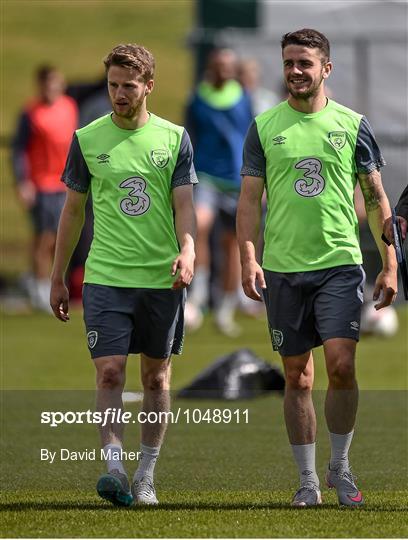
[249, 76]
[402, 215]
[39, 151]
[262, 99]
[218, 117]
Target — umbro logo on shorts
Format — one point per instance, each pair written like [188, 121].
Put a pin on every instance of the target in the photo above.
[103, 158]
[92, 338]
[279, 140]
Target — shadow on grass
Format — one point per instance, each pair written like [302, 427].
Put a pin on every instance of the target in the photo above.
[57, 506]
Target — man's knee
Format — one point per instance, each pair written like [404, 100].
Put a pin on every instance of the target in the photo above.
[110, 375]
[155, 380]
[299, 372]
[341, 372]
[340, 364]
[296, 380]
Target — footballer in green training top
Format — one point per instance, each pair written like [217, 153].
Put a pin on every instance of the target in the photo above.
[139, 170]
[308, 153]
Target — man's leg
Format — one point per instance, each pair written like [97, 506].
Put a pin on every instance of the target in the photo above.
[156, 375]
[340, 410]
[110, 381]
[42, 256]
[300, 421]
[342, 393]
[199, 290]
[231, 273]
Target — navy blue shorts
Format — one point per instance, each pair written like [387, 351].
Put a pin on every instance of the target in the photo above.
[46, 211]
[307, 308]
[120, 321]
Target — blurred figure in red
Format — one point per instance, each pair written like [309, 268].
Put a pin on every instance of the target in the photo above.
[40, 148]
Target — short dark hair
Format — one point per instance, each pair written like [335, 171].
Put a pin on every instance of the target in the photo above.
[132, 56]
[44, 71]
[308, 38]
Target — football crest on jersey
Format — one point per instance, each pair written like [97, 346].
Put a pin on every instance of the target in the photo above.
[160, 158]
[337, 139]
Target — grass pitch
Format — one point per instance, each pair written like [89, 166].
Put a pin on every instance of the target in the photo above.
[213, 480]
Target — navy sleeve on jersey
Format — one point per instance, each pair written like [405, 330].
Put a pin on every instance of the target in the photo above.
[254, 162]
[402, 206]
[19, 148]
[184, 172]
[367, 154]
[76, 174]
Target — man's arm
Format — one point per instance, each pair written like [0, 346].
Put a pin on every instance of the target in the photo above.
[185, 223]
[69, 228]
[248, 224]
[378, 210]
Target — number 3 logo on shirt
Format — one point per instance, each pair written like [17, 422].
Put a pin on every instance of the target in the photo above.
[129, 205]
[312, 183]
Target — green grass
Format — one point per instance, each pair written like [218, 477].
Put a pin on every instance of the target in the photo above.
[244, 514]
[213, 480]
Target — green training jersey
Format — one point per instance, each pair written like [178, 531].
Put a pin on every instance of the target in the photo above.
[131, 175]
[310, 164]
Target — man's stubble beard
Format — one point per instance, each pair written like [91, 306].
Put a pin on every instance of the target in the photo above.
[313, 91]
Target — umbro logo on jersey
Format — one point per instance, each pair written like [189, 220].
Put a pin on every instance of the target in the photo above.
[279, 140]
[103, 158]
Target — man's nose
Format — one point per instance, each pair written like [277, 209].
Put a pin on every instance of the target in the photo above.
[296, 70]
[120, 92]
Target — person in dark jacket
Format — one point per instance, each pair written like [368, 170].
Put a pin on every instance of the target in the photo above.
[402, 216]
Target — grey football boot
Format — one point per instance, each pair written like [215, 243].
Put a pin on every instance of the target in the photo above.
[307, 495]
[343, 480]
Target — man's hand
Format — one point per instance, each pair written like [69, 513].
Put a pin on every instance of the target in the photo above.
[26, 193]
[388, 230]
[59, 300]
[184, 262]
[386, 283]
[252, 273]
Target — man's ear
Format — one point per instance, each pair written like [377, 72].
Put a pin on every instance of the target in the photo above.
[149, 87]
[327, 70]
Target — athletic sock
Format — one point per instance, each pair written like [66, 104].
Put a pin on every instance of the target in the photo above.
[200, 288]
[147, 462]
[305, 458]
[113, 462]
[340, 445]
[227, 305]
